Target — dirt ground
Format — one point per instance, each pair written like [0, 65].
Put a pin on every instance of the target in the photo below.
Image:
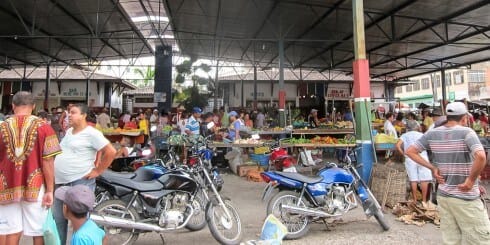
[352, 228]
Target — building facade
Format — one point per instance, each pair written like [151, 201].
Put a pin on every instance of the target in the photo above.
[470, 83]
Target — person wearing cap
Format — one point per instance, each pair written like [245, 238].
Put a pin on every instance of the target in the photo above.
[28, 148]
[313, 120]
[437, 118]
[458, 158]
[192, 126]
[416, 173]
[234, 128]
[78, 201]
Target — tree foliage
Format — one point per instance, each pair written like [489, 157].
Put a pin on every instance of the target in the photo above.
[193, 96]
[147, 77]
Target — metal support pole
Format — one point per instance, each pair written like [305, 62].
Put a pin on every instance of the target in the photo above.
[443, 85]
[362, 92]
[282, 92]
[216, 90]
[87, 89]
[46, 88]
[255, 87]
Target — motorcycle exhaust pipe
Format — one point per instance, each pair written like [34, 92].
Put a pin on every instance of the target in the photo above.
[124, 223]
[306, 211]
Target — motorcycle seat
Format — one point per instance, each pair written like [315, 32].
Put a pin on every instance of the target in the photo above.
[109, 174]
[143, 186]
[300, 177]
[143, 174]
[124, 180]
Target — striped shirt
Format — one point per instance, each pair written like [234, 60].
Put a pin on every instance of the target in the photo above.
[452, 149]
[192, 125]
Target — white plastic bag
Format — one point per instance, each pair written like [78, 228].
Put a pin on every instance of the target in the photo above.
[306, 158]
[273, 231]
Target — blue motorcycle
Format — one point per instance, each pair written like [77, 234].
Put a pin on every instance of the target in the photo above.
[302, 200]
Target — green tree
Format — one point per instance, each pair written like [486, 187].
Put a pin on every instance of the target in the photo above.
[147, 77]
[193, 96]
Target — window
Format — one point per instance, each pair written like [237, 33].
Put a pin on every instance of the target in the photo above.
[408, 88]
[476, 76]
[458, 77]
[425, 83]
[448, 78]
[437, 81]
[399, 90]
[416, 85]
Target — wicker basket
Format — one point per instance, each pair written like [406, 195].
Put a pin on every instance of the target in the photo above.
[389, 184]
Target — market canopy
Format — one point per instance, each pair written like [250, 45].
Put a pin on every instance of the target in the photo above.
[66, 32]
[403, 38]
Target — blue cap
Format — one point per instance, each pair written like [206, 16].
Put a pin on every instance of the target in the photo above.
[232, 114]
[196, 110]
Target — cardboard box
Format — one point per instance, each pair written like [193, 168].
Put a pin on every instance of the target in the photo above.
[243, 169]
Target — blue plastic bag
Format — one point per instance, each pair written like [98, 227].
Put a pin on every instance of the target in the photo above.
[273, 230]
[50, 231]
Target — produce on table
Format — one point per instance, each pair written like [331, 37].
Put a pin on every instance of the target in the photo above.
[384, 139]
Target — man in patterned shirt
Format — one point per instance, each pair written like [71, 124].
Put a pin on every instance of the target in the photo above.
[458, 159]
[26, 172]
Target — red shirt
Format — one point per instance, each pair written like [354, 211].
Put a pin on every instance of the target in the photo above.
[26, 141]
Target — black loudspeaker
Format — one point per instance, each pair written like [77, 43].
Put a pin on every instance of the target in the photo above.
[163, 78]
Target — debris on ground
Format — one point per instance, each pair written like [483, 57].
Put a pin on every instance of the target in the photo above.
[412, 214]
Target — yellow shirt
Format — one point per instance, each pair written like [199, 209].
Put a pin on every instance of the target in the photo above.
[428, 121]
[143, 124]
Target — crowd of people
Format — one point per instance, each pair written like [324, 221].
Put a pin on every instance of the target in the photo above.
[54, 165]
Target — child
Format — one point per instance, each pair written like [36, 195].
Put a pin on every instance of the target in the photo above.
[78, 200]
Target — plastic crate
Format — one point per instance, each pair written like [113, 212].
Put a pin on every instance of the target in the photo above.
[261, 159]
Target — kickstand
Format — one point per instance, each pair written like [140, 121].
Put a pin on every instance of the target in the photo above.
[163, 239]
[326, 225]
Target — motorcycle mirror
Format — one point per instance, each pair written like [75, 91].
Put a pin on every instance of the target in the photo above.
[210, 125]
[255, 136]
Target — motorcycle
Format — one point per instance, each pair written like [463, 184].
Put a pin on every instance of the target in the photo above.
[280, 160]
[181, 197]
[302, 200]
[146, 168]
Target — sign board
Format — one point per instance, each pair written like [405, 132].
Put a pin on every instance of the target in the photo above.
[160, 97]
[452, 96]
[338, 91]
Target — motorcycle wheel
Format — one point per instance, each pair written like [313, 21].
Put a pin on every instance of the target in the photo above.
[381, 219]
[297, 225]
[224, 230]
[377, 213]
[117, 208]
[198, 219]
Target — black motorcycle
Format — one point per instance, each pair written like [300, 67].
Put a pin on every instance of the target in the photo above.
[184, 197]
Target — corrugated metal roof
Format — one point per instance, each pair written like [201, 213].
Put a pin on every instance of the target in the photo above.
[403, 37]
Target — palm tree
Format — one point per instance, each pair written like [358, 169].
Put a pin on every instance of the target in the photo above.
[148, 77]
